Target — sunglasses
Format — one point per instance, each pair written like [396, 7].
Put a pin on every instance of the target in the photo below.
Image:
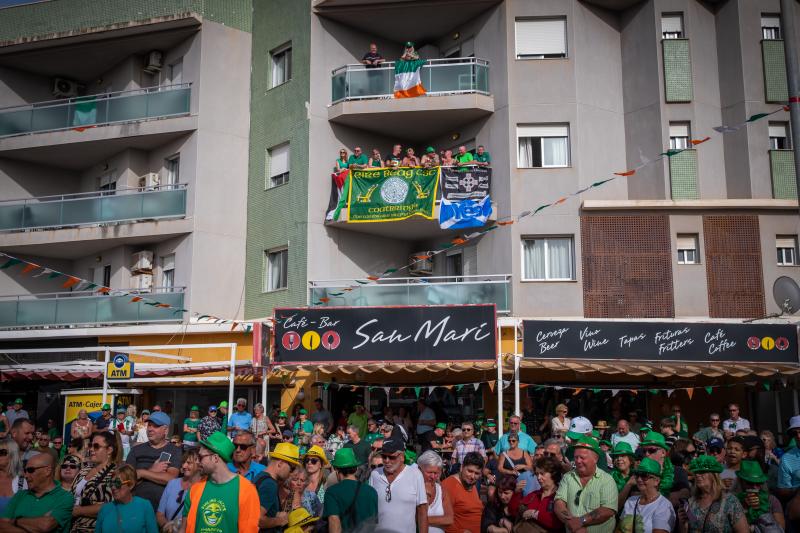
[466, 429]
[715, 419]
[117, 483]
[68, 466]
[643, 477]
[578, 497]
[3, 453]
[373, 467]
[311, 461]
[97, 446]
[650, 451]
[33, 469]
[513, 440]
[387, 457]
[242, 446]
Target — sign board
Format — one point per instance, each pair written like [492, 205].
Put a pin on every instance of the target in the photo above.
[660, 341]
[261, 344]
[361, 334]
[120, 368]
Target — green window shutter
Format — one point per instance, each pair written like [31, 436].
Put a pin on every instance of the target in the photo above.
[776, 88]
[677, 70]
[781, 163]
[683, 175]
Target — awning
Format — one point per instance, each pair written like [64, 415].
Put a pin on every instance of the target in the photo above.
[76, 370]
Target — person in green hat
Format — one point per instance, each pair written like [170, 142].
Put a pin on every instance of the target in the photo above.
[587, 497]
[223, 414]
[104, 422]
[727, 512]
[190, 427]
[302, 431]
[409, 54]
[759, 505]
[655, 447]
[349, 504]
[623, 457]
[430, 158]
[16, 411]
[434, 439]
[4, 425]
[226, 502]
[649, 510]
[489, 435]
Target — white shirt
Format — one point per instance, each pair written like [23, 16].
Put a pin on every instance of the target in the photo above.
[436, 509]
[734, 426]
[658, 514]
[557, 428]
[631, 438]
[399, 514]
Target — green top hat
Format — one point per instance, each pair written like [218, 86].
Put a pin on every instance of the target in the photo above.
[648, 466]
[282, 414]
[654, 438]
[345, 458]
[429, 150]
[703, 464]
[218, 443]
[195, 408]
[587, 443]
[441, 425]
[623, 448]
[751, 472]
[303, 412]
[18, 401]
[105, 407]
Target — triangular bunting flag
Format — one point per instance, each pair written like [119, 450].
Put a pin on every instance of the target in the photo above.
[389, 271]
[545, 206]
[576, 392]
[595, 390]
[690, 392]
[387, 390]
[614, 392]
[233, 327]
[70, 282]
[505, 222]
[476, 386]
[400, 389]
[767, 385]
[492, 384]
[10, 263]
[136, 299]
[459, 387]
[523, 214]
[695, 142]
[757, 116]
[626, 173]
[29, 267]
[601, 182]
[709, 389]
[44, 272]
[669, 392]
[373, 278]
[54, 275]
[326, 386]
[726, 129]
[449, 387]
[417, 390]
[430, 390]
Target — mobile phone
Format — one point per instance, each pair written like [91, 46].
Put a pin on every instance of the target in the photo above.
[684, 503]
[164, 457]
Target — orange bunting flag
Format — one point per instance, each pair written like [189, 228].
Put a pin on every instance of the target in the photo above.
[104, 290]
[695, 142]
[634, 392]
[524, 385]
[577, 391]
[354, 388]
[70, 282]
[29, 267]
[448, 387]
[233, 327]
[786, 108]
[136, 299]
[560, 200]
[164, 305]
[626, 173]
[347, 289]
[325, 300]
[422, 257]
[690, 392]
[458, 240]
[505, 222]
[373, 278]
[491, 385]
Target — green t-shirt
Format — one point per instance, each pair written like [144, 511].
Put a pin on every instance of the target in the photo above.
[360, 450]
[359, 421]
[483, 158]
[218, 508]
[466, 158]
[192, 423]
[360, 160]
[341, 501]
[58, 503]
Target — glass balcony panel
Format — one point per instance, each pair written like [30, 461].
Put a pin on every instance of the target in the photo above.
[164, 203]
[76, 310]
[370, 82]
[168, 102]
[79, 212]
[36, 312]
[126, 108]
[11, 216]
[15, 122]
[8, 312]
[121, 207]
[48, 118]
[449, 78]
[338, 87]
[37, 215]
[482, 72]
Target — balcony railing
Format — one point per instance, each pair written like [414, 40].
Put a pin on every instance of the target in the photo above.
[439, 77]
[87, 308]
[96, 110]
[96, 207]
[437, 290]
[784, 184]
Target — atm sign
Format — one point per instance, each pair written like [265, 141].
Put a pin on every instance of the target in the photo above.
[125, 371]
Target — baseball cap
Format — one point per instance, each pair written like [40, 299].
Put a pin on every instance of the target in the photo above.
[750, 442]
[579, 427]
[409, 44]
[120, 410]
[194, 408]
[146, 411]
[106, 407]
[490, 423]
[429, 150]
[303, 412]
[715, 443]
[441, 425]
[159, 418]
[794, 422]
[18, 401]
[212, 408]
[223, 404]
[393, 446]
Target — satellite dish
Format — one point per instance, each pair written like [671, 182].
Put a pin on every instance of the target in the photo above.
[787, 295]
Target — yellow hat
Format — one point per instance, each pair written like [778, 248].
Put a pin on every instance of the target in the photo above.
[286, 451]
[316, 451]
[298, 518]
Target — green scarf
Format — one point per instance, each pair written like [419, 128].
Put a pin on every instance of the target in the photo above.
[751, 513]
[667, 477]
[619, 479]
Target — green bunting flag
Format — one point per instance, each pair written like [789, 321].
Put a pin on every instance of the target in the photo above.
[54, 275]
[757, 116]
[417, 390]
[389, 271]
[326, 386]
[10, 263]
[767, 385]
[459, 387]
[670, 153]
[599, 183]
[709, 389]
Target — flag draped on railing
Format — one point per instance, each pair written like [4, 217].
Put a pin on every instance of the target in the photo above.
[407, 81]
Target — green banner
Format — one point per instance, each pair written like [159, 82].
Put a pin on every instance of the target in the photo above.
[388, 194]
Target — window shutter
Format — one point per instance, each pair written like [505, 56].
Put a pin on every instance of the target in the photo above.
[279, 160]
[672, 24]
[785, 242]
[168, 262]
[541, 37]
[687, 242]
[777, 130]
[550, 130]
[770, 21]
[678, 130]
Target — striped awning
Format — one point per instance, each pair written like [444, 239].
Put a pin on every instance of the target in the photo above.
[77, 370]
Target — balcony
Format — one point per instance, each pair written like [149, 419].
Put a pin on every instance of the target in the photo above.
[96, 110]
[776, 88]
[683, 175]
[96, 207]
[784, 185]
[457, 92]
[438, 290]
[87, 308]
[678, 86]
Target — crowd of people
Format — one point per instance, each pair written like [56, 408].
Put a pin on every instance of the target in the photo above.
[394, 471]
[398, 157]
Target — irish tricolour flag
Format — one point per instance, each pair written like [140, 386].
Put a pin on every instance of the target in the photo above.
[407, 82]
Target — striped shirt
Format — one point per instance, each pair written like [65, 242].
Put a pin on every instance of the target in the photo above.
[462, 448]
[789, 470]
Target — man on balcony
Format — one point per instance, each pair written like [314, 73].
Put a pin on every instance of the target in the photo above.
[358, 160]
[464, 158]
[372, 59]
[482, 157]
[430, 158]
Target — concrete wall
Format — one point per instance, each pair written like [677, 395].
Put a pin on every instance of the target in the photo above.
[689, 281]
[771, 225]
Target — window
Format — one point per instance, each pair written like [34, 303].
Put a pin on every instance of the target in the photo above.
[175, 73]
[278, 165]
[173, 167]
[281, 65]
[779, 136]
[541, 38]
[168, 272]
[543, 146]
[106, 275]
[455, 266]
[787, 249]
[672, 26]
[107, 182]
[277, 262]
[678, 135]
[770, 27]
[547, 258]
[687, 249]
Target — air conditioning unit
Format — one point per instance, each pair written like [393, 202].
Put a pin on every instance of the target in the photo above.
[63, 88]
[151, 180]
[142, 261]
[420, 267]
[142, 282]
[153, 62]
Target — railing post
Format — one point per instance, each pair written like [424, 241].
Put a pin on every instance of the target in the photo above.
[61, 211]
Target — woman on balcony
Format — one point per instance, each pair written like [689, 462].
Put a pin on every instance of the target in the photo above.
[376, 161]
[410, 160]
[341, 163]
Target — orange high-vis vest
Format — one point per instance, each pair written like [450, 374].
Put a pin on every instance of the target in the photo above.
[249, 506]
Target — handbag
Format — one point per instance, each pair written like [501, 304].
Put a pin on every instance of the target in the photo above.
[528, 526]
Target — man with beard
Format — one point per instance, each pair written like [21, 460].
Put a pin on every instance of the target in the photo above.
[461, 489]
[402, 500]
[22, 434]
[226, 502]
[282, 460]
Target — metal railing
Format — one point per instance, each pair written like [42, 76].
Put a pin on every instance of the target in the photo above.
[88, 308]
[433, 290]
[96, 110]
[95, 207]
[439, 77]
